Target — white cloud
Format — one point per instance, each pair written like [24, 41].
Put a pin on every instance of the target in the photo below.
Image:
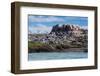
[84, 27]
[40, 28]
[45, 19]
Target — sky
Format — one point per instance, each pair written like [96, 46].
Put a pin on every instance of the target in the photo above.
[44, 23]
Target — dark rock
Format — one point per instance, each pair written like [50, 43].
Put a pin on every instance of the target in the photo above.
[68, 29]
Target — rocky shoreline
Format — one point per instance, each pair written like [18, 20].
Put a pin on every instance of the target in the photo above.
[64, 50]
[61, 39]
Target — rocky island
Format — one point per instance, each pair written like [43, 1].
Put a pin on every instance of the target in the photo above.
[61, 38]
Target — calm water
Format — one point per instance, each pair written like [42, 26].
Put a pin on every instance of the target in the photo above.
[57, 55]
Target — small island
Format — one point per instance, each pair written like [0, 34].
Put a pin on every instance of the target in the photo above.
[61, 38]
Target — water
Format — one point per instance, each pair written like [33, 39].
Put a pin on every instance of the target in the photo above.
[57, 55]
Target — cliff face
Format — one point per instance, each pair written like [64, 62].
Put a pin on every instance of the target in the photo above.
[65, 28]
[68, 29]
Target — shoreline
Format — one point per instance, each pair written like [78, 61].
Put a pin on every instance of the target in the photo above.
[64, 50]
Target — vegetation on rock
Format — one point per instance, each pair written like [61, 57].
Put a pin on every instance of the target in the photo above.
[60, 38]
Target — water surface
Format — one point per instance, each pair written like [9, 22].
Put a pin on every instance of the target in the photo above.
[57, 55]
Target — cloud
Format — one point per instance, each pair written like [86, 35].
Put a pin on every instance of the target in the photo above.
[40, 28]
[45, 19]
[84, 27]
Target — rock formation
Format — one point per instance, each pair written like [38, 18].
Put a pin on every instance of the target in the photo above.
[60, 38]
[68, 29]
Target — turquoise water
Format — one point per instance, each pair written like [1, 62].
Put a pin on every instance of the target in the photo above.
[57, 55]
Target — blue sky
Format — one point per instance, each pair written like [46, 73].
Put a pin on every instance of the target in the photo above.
[44, 23]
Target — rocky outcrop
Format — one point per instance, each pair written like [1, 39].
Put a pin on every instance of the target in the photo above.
[61, 37]
[65, 28]
[68, 29]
